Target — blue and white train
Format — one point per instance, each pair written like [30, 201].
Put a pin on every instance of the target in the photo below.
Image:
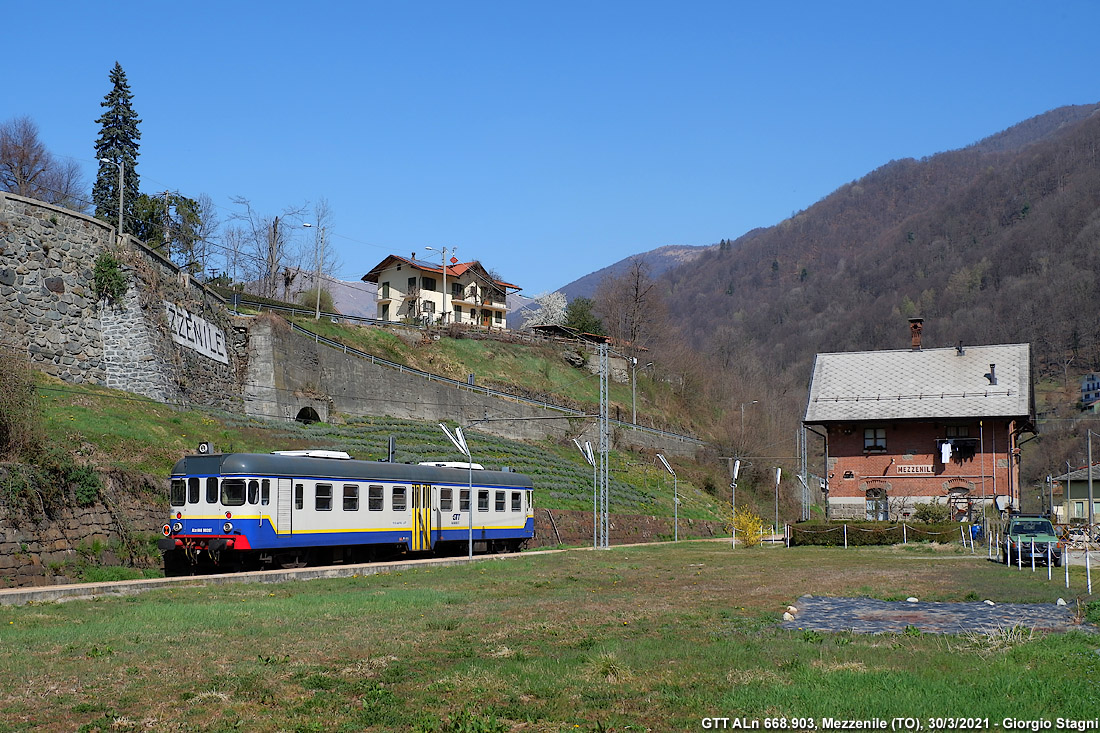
[239, 511]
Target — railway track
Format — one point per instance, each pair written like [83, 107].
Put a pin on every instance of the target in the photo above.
[79, 591]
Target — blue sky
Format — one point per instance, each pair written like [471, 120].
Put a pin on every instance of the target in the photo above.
[545, 139]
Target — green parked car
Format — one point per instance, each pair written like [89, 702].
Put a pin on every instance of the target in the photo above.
[1028, 538]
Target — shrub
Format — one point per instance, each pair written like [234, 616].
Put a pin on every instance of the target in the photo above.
[931, 513]
[20, 417]
[749, 527]
[831, 534]
[110, 282]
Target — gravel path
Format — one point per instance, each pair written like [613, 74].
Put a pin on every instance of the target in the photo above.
[870, 616]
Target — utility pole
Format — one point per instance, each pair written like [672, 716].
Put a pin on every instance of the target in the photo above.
[317, 283]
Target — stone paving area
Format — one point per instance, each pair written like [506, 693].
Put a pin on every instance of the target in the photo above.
[870, 616]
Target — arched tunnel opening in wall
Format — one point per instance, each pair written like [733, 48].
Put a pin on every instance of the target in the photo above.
[307, 415]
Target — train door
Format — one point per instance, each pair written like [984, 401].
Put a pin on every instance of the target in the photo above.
[283, 521]
[422, 517]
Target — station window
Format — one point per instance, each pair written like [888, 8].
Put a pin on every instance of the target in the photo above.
[498, 501]
[374, 498]
[399, 500]
[322, 498]
[445, 500]
[517, 501]
[299, 496]
[874, 439]
[483, 500]
[265, 492]
[351, 498]
[192, 491]
[233, 492]
[464, 500]
[253, 491]
[211, 490]
[178, 495]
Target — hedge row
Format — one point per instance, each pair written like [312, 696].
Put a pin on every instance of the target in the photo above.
[831, 534]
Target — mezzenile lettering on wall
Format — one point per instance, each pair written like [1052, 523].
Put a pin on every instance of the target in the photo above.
[196, 333]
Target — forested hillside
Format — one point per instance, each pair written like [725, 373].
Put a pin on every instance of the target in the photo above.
[995, 243]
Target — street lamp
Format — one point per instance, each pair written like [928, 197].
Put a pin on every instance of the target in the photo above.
[121, 191]
[675, 500]
[319, 248]
[734, 471]
[743, 416]
[443, 257]
[459, 441]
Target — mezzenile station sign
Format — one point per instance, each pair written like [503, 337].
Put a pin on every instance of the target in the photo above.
[196, 333]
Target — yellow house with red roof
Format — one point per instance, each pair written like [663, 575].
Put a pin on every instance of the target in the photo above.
[465, 293]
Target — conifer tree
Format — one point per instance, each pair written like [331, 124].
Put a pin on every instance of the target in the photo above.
[118, 143]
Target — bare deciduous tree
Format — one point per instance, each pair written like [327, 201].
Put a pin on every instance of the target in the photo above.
[267, 246]
[631, 306]
[28, 169]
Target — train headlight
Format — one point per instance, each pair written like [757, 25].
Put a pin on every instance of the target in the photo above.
[177, 527]
[166, 529]
[227, 527]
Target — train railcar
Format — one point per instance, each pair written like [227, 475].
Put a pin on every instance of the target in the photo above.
[237, 511]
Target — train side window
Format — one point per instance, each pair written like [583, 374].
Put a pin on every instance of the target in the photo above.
[483, 500]
[211, 490]
[517, 501]
[178, 495]
[233, 492]
[351, 497]
[498, 501]
[445, 500]
[323, 498]
[464, 500]
[399, 498]
[253, 491]
[374, 498]
[299, 496]
[265, 492]
[192, 490]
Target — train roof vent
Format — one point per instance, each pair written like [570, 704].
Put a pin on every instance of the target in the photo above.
[314, 454]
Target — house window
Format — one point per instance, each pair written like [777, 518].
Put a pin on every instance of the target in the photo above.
[411, 287]
[456, 290]
[957, 431]
[385, 290]
[874, 439]
[458, 314]
[384, 314]
[427, 283]
[1078, 510]
[498, 317]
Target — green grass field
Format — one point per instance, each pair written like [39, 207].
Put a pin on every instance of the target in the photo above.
[644, 638]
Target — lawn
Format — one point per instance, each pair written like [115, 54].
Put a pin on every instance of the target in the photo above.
[649, 638]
